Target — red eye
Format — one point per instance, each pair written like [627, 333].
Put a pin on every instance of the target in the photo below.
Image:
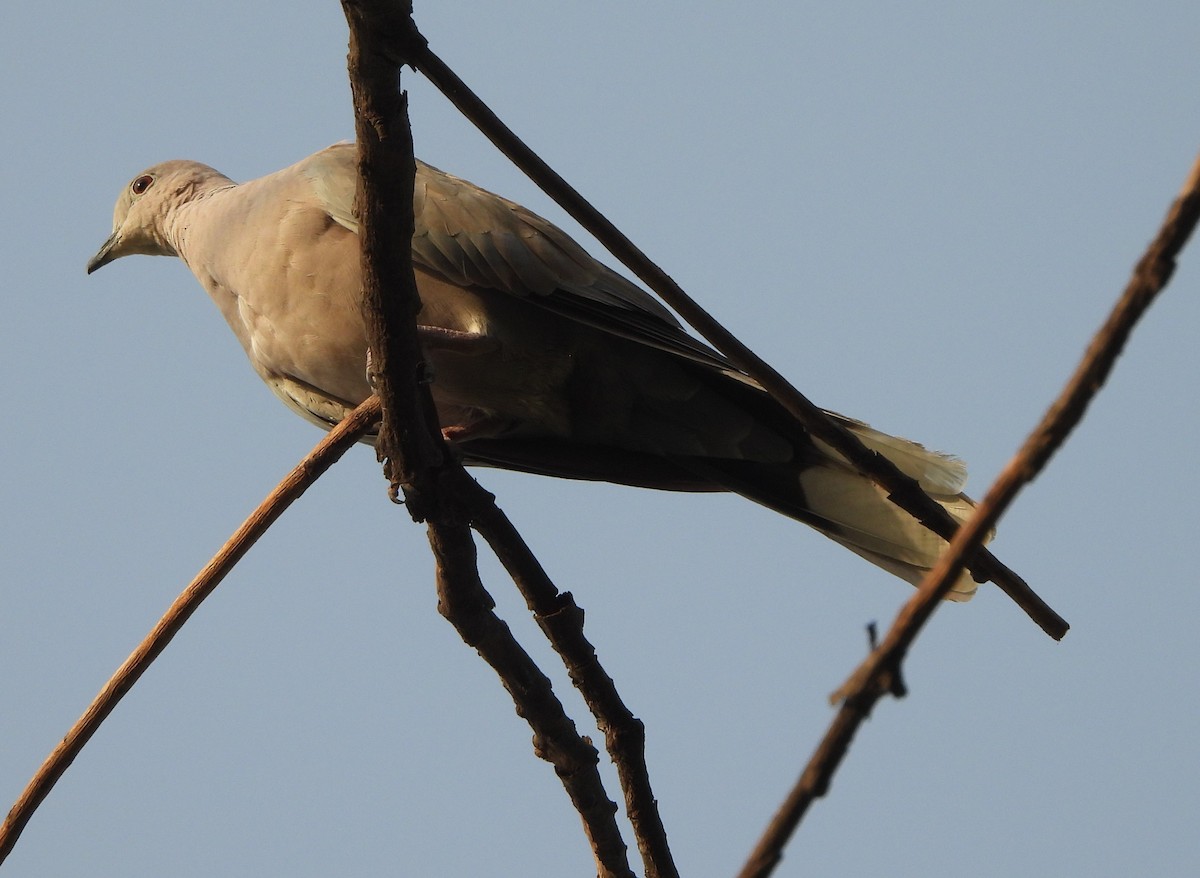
[141, 184]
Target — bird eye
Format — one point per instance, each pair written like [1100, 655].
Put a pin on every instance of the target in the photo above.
[141, 184]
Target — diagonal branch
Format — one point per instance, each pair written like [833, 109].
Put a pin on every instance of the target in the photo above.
[323, 456]
[880, 673]
[902, 490]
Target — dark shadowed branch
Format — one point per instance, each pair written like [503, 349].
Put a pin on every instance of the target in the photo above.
[880, 673]
[416, 461]
[326, 453]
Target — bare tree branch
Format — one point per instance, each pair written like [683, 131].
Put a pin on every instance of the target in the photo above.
[902, 490]
[410, 444]
[880, 673]
[435, 487]
[323, 456]
[562, 621]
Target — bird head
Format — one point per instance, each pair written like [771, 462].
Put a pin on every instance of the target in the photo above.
[145, 207]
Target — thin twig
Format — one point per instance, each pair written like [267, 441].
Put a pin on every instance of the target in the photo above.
[902, 490]
[880, 672]
[561, 619]
[327, 451]
[463, 600]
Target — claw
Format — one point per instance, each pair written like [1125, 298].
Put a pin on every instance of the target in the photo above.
[476, 427]
[372, 375]
[437, 338]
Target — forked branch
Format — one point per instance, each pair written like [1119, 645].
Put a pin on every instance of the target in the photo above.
[435, 487]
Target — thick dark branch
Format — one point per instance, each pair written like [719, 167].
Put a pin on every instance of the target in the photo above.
[409, 441]
[880, 673]
[382, 38]
[902, 490]
[295, 483]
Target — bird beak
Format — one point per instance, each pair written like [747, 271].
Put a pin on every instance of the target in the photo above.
[107, 252]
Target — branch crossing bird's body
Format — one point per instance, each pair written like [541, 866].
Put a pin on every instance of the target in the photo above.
[544, 360]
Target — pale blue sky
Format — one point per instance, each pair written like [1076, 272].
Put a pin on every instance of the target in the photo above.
[919, 212]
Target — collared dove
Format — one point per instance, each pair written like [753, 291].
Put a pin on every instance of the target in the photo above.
[544, 360]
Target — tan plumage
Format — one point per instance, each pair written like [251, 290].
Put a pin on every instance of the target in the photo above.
[544, 360]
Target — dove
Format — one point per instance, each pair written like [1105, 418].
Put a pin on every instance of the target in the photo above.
[543, 360]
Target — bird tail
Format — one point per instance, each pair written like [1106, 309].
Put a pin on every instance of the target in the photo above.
[869, 524]
[854, 511]
[833, 497]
